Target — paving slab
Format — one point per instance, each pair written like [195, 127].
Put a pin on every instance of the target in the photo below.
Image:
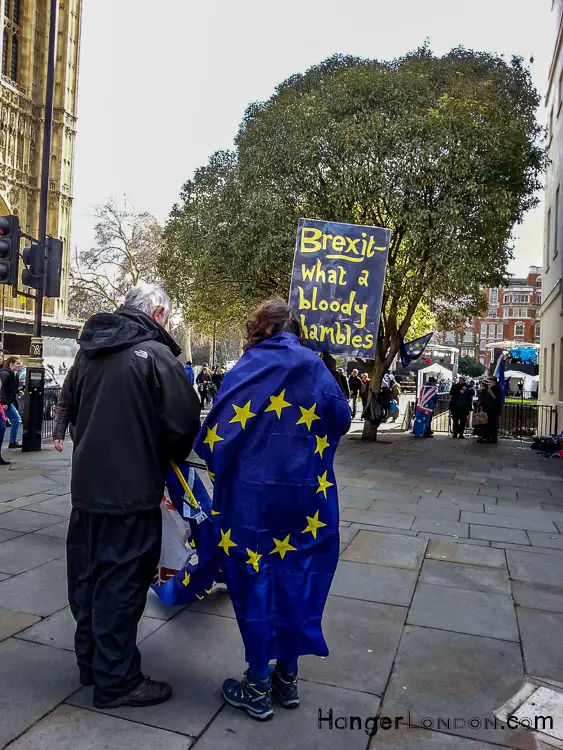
[196, 673]
[217, 603]
[360, 503]
[373, 583]
[522, 548]
[362, 638]
[57, 530]
[454, 552]
[26, 521]
[346, 535]
[383, 529]
[35, 679]
[538, 596]
[497, 534]
[71, 727]
[155, 608]
[441, 674]
[393, 520]
[517, 511]
[393, 550]
[295, 730]
[26, 552]
[440, 511]
[58, 505]
[535, 568]
[463, 576]
[12, 622]
[414, 738]
[446, 528]
[542, 635]
[58, 630]
[40, 591]
[465, 500]
[6, 535]
[546, 540]
[506, 522]
[464, 611]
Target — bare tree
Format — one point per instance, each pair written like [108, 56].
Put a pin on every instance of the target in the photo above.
[126, 247]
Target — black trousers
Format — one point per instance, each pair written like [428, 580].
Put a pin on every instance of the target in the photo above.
[111, 561]
[491, 428]
[459, 419]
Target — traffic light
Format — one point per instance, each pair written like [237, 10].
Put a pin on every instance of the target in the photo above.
[33, 258]
[54, 267]
[10, 237]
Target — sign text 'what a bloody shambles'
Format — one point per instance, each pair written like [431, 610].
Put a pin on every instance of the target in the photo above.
[337, 285]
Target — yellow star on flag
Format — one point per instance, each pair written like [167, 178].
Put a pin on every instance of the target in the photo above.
[192, 543]
[186, 580]
[278, 403]
[322, 443]
[207, 591]
[201, 598]
[282, 547]
[253, 559]
[308, 416]
[242, 414]
[211, 475]
[226, 541]
[313, 524]
[212, 437]
[324, 484]
[214, 512]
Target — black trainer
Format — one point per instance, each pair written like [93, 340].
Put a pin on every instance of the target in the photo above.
[285, 690]
[14, 445]
[251, 696]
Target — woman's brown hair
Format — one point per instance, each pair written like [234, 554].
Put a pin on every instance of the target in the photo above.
[271, 317]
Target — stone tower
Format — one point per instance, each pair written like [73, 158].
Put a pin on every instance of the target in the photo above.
[24, 44]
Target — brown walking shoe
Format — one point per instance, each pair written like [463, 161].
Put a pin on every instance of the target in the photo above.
[148, 693]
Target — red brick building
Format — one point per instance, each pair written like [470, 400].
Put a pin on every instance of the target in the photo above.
[513, 314]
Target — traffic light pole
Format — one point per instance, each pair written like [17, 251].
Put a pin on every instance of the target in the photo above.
[35, 378]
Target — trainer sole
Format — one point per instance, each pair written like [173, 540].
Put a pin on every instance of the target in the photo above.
[249, 711]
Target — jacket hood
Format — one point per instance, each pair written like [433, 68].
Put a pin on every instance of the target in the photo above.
[106, 333]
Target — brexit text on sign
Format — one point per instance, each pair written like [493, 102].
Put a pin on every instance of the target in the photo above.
[337, 285]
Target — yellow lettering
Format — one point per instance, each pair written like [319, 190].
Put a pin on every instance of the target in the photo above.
[310, 240]
[363, 280]
[369, 252]
[361, 310]
[357, 341]
[326, 238]
[307, 274]
[323, 305]
[304, 327]
[368, 341]
[342, 280]
[338, 243]
[313, 333]
[327, 333]
[352, 245]
[332, 276]
[379, 250]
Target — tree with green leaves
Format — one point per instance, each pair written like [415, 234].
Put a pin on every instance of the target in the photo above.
[470, 366]
[444, 151]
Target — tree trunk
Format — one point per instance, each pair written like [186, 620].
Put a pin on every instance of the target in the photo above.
[187, 341]
[370, 431]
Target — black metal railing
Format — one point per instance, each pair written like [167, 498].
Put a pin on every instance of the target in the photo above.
[518, 421]
[49, 408]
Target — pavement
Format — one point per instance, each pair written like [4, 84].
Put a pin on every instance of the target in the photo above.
[448, 595]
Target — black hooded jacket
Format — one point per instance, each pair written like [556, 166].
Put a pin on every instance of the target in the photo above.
[133, 410]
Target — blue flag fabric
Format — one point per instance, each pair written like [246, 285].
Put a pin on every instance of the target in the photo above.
[192, 541]
[502, 380]
[411, 350]
[424, 410]
[269, 444]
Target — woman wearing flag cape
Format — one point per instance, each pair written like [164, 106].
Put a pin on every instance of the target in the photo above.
[269, 444]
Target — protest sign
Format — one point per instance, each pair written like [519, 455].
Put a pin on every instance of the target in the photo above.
[337, 285]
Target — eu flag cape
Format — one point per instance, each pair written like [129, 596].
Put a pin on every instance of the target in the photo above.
[269, 444]
[424, 410]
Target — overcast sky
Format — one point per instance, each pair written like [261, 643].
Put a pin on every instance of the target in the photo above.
[164, 84]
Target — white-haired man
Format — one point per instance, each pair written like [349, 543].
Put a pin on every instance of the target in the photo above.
[133, 410]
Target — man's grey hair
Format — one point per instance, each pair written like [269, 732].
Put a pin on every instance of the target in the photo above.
[147, 298]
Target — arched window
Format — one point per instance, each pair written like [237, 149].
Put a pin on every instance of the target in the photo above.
[11, 40]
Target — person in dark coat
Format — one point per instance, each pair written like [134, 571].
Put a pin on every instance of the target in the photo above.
[204, 385]
[9, 389]
[461, 403]
[134, 411]
[491, 403]
[355, 385]
[340, 378]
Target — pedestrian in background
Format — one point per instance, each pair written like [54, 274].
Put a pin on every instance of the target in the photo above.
[204, 384]
[3, 462]
[9, 390]
[461, 404]
[490, 399]
[355, 385]
[134, 411]
[189, 370]
[364, 390]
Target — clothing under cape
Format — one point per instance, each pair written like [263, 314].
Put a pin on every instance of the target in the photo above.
[269, 444]
[424, 410]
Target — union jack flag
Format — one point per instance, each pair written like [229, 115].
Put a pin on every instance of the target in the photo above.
[427, 392]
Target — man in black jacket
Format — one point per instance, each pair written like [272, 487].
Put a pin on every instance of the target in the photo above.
[9, 396]
[133, 411]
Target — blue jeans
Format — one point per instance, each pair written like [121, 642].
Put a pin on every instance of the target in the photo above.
[14, 416]
[2, 432]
